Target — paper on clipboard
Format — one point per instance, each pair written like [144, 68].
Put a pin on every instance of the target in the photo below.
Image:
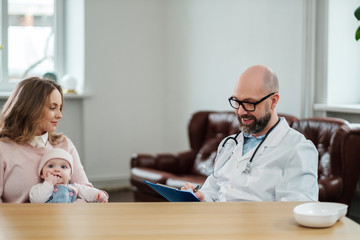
[173, 194]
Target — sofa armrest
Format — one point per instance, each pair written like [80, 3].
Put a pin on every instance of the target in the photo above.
[173, 163]
[351, 162]
[186, 161]
[330, 189]
[143, 160]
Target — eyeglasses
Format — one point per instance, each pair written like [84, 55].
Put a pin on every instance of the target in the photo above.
[248, 106]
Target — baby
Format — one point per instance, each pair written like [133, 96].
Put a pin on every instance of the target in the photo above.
[56, 168]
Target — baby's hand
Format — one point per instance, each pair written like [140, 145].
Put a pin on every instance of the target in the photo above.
[102, 197]
[52, 179]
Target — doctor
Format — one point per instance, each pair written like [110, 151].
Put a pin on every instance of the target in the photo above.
[269, 161]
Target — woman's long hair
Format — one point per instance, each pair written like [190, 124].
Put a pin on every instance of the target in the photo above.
[23, 111]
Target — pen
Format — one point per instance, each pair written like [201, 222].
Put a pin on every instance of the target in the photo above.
[196, 188]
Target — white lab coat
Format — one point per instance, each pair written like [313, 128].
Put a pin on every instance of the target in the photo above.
[283, 169]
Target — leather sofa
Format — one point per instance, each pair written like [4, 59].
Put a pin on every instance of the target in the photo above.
[337, 141]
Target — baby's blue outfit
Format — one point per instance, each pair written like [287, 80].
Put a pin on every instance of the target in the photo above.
[62, 194]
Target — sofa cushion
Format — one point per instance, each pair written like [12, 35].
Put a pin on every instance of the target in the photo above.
[219, 126]
[205, 158]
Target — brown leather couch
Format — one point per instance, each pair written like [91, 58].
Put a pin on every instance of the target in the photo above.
[337, 141]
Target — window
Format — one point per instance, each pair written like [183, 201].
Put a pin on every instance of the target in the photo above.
[337, 60]
[29, 40]
[343, 53]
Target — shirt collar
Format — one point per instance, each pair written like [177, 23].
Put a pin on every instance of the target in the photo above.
[249, 136]
[39, 141]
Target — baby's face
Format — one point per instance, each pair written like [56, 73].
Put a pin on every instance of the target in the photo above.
[59, 168]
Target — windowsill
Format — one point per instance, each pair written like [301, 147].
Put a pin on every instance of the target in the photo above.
[5, 95]
[340, 108]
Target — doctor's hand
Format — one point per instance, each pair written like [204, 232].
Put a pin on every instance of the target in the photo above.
[198, 194]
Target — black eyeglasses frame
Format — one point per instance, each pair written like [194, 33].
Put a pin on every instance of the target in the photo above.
[253, 103]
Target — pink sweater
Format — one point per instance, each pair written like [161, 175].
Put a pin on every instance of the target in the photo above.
[19, 165]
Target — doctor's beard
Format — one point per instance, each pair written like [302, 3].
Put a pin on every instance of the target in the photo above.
[256, 126]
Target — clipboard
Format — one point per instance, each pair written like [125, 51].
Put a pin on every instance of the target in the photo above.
[173, 194]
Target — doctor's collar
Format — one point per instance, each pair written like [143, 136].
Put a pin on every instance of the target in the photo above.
[248, 135]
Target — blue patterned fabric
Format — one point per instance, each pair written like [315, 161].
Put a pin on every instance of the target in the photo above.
[62, 194]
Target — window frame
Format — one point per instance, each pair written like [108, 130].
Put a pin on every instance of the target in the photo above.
[59, 30]
[316, 81]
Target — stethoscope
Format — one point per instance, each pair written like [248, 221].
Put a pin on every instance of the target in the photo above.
[231, 138]
[234, 140]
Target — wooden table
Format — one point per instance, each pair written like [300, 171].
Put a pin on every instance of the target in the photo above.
[232, 220]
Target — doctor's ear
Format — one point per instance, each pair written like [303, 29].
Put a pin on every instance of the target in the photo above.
[274, 100]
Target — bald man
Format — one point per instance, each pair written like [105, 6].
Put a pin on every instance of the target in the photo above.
[270, 161]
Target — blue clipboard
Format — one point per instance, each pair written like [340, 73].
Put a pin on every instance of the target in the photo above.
[173, 194]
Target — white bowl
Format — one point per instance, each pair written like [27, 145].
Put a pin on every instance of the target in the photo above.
[319, 214]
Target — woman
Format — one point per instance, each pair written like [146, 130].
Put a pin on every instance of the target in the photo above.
[27, 130]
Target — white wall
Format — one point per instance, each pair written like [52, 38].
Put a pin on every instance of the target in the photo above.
[149, 64]
[210, 43]
[124, 71]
